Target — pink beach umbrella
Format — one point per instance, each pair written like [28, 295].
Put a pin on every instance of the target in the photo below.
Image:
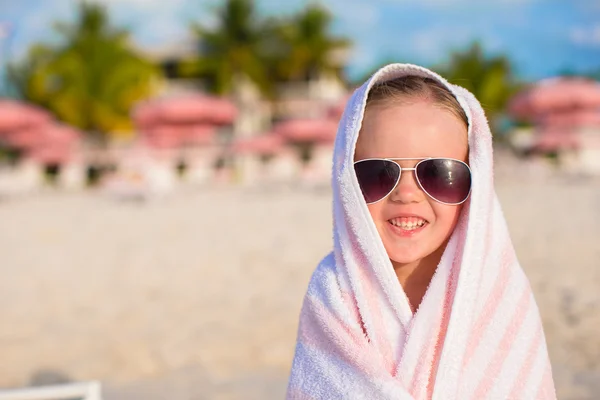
[307, 130]
[161, 142]
[23, 138]
[571, 118]
[267, 144]
[176, 135]
[553, 95]
[144, 115]
[188, 109]
[48, 144]
[44, 135]
[199, 134]
[163, 136]
[179, 121]
[15, 115]
[63, 136]
[555, 139]
[51, 155]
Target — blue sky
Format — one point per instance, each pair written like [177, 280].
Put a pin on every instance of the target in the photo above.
[542, 37]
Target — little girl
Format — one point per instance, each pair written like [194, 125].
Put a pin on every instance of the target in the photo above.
[422, 296]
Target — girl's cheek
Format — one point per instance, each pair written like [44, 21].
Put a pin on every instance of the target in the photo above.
[448, 216]
[375, 210]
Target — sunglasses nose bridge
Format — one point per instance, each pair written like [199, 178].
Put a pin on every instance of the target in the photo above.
[407, 189]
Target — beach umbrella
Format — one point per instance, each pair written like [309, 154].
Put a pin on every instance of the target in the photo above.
[554, 95]
[555, 139]
[177, 135]
[186, 109]
[199, 134]
[266, 144]
[162, 142]
[307, 130]
[22, 138]
[56, 135]
[575, 118]
[55, 143]
[16, 115]
[50, 154]
[182, 121]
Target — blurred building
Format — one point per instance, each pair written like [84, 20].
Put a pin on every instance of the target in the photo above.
[311, 98]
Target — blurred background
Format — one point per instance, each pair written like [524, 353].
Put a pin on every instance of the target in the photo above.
[165, 166]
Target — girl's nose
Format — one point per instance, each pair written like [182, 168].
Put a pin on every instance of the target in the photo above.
[408, 189]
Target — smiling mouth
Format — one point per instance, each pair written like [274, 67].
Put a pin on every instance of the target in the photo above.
[408, 223]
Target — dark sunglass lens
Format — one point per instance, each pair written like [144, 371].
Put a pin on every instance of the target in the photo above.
[376, 178]
[448, 181]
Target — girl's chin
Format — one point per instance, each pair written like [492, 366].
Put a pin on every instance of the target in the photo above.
[401, 255]
[404, 260]
[404, 255]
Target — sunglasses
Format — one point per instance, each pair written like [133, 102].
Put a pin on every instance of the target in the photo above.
[445, 180]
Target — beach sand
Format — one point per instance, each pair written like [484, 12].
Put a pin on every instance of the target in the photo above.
[197, 296]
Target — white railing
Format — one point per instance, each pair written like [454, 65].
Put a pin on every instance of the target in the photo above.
[71, 391]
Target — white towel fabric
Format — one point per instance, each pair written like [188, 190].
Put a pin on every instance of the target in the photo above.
[477, 333]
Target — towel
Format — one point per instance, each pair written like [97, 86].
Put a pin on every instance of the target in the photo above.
[477, 333]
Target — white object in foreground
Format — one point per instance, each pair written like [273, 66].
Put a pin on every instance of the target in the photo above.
[71, 391]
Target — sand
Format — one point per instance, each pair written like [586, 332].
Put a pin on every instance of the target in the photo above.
[197, 296]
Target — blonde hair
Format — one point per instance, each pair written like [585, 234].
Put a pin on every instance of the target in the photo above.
[399, 90]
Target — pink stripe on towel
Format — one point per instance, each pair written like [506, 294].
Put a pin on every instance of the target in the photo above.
[489, 310]
[377, 319]
[525, 370]
[503, 348]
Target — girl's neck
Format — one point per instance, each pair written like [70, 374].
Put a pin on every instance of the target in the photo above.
[416, 276]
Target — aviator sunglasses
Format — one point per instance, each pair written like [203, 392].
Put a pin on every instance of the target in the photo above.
[445, 180]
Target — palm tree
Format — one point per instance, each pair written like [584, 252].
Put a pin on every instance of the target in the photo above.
[92, 80]
[234, 48]
[490, 79]
[308, 49]
[264, 50]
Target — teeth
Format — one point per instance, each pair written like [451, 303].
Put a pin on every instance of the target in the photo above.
[408, 223]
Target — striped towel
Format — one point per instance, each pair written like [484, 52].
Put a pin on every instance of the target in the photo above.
[477, 333]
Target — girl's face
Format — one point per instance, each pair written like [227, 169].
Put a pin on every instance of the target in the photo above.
[414, 130]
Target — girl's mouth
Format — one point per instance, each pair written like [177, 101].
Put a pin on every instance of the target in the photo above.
[407, 226]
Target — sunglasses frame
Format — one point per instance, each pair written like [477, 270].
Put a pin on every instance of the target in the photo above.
[422, 159]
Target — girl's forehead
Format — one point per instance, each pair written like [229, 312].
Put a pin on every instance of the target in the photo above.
[411, 130]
